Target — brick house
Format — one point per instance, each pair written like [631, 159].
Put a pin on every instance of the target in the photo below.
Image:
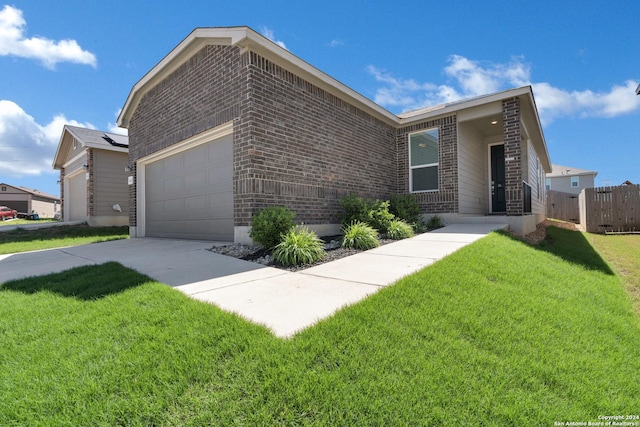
[93, 181]
[229, 123]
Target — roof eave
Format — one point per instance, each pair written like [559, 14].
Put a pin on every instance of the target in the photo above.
[247, 38]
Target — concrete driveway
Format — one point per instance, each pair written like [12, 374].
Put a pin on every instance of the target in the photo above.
[283, 301]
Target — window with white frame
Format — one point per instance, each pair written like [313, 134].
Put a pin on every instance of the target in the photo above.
[423, 160]
[548, 183]
[575, 181]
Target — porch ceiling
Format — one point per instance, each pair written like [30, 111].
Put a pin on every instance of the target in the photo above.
[487, 126]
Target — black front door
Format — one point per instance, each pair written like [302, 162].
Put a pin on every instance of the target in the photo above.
[498, 202]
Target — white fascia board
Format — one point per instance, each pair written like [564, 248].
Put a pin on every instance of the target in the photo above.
[447, 109]
[58, 149]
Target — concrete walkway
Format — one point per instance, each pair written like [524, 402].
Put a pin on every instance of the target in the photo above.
[283, 301]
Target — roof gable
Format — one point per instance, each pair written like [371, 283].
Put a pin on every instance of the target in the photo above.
[247, 39]
[88, 138]
[31, 191]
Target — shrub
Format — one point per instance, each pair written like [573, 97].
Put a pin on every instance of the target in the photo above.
[405, 207]
[299, 246]
[399, 229]
[434, 222]
[360, 235]
[379, 216]
[268, 225]
[354, 208]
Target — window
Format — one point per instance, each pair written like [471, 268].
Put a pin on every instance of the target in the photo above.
[4, 188]
[575, 181]
[423, 160]
[548, 183]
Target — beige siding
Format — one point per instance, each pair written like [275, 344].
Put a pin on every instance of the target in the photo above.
[563, 183]
[44, 208]
[472, 171]
[110, 183]
[535, 177]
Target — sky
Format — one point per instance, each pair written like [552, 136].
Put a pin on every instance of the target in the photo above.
[75, 62]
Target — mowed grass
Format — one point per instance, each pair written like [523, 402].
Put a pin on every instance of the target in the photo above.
[20, 221]
[499, 333]
[24, 240]
[623, 252]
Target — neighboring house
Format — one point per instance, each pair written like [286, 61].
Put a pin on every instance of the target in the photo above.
[570, 180]
[229, 123]
[93, 180]
[27, 200]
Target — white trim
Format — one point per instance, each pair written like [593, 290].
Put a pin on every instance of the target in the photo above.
[199, 139]
[76, 157]
[491, 144]
[426, 165]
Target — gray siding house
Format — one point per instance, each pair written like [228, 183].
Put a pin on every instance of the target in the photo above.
[29, 200]
[93, 180]
[570, 180]
[229, 123]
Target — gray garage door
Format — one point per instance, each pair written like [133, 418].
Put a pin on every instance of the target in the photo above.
[20, 205]
[77, 198]
[189, 195]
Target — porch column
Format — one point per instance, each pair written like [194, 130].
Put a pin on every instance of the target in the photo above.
[512, 156]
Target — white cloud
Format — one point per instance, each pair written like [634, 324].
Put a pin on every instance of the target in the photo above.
[26, 147]
[268, 33]
[336, 43]
[113, 127]
[469, 78]
[49, 52]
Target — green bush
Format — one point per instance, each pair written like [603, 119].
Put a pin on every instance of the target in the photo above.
[379, 216]
[354, 208]
[299, 246]
[268, 225]
[405, 207]
[399, 229]
[360, 235]
[434, 223]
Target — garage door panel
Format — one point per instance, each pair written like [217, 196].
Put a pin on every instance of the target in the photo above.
[172, 165]
[173, 185]
[195, 182]
[173, 208]
[221, 174]
[190, 194]
[196, 207]
[218, 153]
[196, 158]
[220, 204]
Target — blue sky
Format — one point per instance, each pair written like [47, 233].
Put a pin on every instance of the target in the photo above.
[75, 62]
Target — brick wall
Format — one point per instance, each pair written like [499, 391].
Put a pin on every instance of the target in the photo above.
[294, 143]
[62, 192]
[512, 155]
[207, 90]
[90, 183]
[445, 200]
[305, 148]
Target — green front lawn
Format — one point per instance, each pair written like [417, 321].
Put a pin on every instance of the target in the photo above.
[20, 221]
[23, 240]
[498, 333]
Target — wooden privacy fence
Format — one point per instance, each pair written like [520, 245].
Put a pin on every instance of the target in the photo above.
[563, 206]
[610, 209]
